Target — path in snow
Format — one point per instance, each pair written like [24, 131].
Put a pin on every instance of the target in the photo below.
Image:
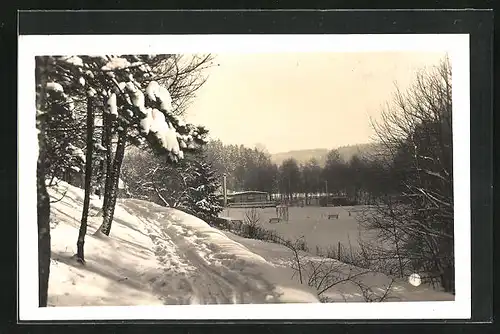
[196, 270]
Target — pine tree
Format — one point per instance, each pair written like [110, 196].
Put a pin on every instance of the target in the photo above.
[64, 110]
[200, 199]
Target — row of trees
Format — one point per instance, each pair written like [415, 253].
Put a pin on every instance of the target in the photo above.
[362, 179]
[90, 108]
[245, 168]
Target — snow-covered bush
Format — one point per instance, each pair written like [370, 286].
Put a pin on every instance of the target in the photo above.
[189, 185]
[202, 184]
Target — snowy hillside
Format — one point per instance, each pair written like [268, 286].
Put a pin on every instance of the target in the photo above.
[156, 255]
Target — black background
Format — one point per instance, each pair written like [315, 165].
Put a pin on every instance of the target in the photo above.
[478, 24]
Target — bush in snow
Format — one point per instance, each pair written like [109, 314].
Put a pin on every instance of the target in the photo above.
[200, 199]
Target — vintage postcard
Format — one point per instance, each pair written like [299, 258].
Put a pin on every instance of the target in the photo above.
[244, 177]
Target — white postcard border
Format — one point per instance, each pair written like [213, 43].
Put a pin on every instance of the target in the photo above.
[457, 47]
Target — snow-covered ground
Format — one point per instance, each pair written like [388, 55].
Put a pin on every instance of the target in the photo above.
[374, 284]
[312, 224]
[156, 255]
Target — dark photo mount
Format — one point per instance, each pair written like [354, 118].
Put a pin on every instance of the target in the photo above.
[477, 23]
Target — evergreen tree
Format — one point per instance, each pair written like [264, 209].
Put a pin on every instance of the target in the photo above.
[200, 199]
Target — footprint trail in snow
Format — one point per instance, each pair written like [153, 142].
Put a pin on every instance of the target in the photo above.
[195, 269]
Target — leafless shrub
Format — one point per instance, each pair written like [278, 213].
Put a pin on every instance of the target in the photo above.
[321, 274]
[252, 219]
[370, 296]
[329, 270]
[358, 257]
[295, 247]
[324, 274]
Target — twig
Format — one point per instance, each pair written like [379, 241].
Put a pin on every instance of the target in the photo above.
[63, 195]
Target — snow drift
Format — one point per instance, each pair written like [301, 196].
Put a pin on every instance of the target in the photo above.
[155, 256]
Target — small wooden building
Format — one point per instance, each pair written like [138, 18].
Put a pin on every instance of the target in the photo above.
[248, 197]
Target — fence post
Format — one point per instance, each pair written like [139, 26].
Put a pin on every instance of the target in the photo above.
[338, 251]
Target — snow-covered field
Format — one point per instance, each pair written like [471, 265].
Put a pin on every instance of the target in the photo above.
[156, 255]
[312, 223]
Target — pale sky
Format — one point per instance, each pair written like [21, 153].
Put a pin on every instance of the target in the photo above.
[294, 101]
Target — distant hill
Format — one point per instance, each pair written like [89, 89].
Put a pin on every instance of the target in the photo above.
[347, 152]
[302, 156]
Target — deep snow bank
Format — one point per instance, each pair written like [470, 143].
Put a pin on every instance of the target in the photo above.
[156, 255]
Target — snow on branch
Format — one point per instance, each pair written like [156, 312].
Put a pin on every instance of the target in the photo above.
[119, 63]
[55, 87]
[136, 102]
[73, 60]
[157, 93]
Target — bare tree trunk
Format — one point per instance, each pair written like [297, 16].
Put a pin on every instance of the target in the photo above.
[102, 163]
[114, 179]
[88, 178]
[43, 216]
[109, 151]
[43, 201]
[398, 252]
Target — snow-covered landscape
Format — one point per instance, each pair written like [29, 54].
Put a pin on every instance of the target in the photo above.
[159, 255]
[156, 182]
[312, 224]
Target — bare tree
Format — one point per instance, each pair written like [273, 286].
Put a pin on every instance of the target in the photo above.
[415, 228]
[181, 74]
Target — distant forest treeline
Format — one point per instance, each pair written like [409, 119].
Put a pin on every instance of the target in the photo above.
[358, 172]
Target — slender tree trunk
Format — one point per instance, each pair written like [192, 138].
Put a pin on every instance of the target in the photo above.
[88, 178]
[398, 252]
[43, 216]
[114, 179]
[107, 135]
[102, 166]
[43, 201]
